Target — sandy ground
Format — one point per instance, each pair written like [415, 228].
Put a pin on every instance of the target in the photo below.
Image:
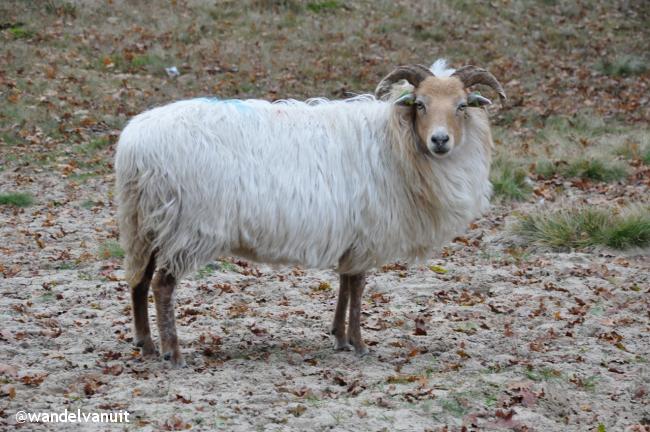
[507, 338]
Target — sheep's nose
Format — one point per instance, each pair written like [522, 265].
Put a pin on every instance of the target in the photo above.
[439, 139]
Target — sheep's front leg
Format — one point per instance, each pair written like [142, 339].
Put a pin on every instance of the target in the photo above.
[338, 326]
[163, 290]
[356, 284]
[139, 303]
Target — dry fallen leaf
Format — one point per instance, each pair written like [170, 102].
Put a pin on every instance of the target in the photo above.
[8, 390]
[33, 380]
[297, 410]
[420, 327]
[438, 269]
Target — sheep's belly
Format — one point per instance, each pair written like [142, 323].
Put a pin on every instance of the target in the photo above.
[310, 237]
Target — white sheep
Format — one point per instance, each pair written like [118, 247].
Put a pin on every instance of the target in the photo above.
[347, 184]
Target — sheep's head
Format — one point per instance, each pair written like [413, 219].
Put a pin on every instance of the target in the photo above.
[438, 107]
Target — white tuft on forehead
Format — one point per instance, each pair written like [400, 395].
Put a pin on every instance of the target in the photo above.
[439, 68]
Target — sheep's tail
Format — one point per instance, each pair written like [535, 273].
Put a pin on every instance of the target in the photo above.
[138, 249]
[135, 237]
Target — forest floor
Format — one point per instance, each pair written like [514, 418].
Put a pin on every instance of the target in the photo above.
[509, 327]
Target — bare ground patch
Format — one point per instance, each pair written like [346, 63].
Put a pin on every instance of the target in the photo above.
[488, 335]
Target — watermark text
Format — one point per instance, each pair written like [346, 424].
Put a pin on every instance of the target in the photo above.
[77, 416]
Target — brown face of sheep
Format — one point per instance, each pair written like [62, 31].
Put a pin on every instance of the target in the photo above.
[438, 106]
[439, 110]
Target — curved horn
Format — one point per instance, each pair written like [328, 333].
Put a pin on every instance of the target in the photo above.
[471, 75]
[414, 74]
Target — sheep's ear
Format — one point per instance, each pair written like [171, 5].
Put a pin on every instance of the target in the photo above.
[407, 99]
[476, 100]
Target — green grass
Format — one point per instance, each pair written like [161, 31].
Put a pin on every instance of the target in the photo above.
[586, 169]
[111, 249]
[226, 266]
[595, 169]
[582, 125]
[85, 157]
[423, 33]
[88, 204]
[150, 63]
[635, 148]
[209, 269]
[323, 6]
[96, 145]
[61, 8]
[66, 265]
[623, 66]
[629, 232]
[9, 138]
[591, 383]
[82, 177]
[206, 271]
[453, 406]
[587, 227]
[544, 374]
[546, 168]
[645, 156]
[17, 199]
[510, 181]
[20, 32]
[143, 60]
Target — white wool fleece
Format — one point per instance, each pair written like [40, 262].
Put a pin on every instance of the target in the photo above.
[323, 184]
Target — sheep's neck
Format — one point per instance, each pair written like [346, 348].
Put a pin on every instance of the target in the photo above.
[443, 195]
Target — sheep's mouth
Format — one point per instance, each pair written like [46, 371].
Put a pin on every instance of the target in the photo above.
[440, 152]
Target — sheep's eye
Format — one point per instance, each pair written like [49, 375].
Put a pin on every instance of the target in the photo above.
[461, 107]
[419, 105]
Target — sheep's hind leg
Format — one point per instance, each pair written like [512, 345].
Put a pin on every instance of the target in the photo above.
[356, 285]
[163, 290]
[338, 326]
[140, 303]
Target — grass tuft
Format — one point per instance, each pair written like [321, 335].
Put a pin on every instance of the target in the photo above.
[17, 199]
[587, 227]
[206, 271]
[545, 374]
[586, 169]
[595, 169]
[510, 181]
[20, 32]
[95, 145]
[61, 8]
[277, 5]
[454, 406]
[629, 232]
[624, 66]
[111, 249]
[323, 6]
[645, 156]
[546, 168]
